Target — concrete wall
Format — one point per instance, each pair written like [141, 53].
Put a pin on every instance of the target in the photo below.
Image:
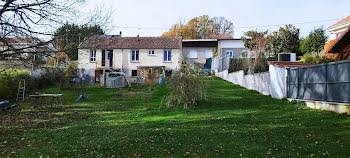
[278, 81]
[84, 65]
[259, 81]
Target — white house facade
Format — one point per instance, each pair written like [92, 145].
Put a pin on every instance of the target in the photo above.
[97, 55]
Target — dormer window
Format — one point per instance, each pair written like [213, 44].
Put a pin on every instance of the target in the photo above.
[151, 52]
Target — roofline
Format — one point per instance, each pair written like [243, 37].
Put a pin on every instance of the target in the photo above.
[200, 40]
[229, 39]
[106, 48]
[337, 26]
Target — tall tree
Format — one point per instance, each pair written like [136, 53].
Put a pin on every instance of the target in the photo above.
[286, 39]
[202, 27]
[314, 42]
[68, 37]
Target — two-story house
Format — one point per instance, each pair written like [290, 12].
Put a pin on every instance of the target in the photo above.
[338, 28]
[136, 56]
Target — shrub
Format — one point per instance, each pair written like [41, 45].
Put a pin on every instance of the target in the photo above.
[186, 90]
[248, 65]
[315, 58]
[9, 80]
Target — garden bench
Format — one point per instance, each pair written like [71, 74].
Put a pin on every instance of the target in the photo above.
[56, 99]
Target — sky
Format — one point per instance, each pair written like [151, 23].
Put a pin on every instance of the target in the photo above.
[153, 17]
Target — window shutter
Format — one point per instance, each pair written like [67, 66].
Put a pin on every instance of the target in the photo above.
[103, 58]
[111, 58]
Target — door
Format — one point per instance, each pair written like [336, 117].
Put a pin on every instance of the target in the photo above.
[148, 75]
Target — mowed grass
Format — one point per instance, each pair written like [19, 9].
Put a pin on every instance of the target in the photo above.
[234, 122]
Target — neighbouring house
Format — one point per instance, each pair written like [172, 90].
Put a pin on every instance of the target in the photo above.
[341, 47]
[30, 52]
[141, 57]
[199, 52]
[232, 47]
[338, 28]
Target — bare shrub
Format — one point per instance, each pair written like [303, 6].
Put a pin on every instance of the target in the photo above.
[186, 89]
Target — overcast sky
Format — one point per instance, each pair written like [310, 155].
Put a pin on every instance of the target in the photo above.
[153, 17]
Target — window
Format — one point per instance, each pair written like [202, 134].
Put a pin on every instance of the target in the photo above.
[229, 53]
[151, 52]
[168, 73]
[208, 54]
[134, 56]
[167, 56]
[193, 54]
[133, 72]
[92, 55]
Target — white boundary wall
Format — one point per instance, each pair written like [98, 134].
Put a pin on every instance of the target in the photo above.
[259, 82]
[268, 83]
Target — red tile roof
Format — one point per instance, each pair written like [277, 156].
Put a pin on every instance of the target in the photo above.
[344, 21]
[23, 40]
[288, 64]
[131, 43]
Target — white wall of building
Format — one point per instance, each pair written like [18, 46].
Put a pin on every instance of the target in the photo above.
[122, 60]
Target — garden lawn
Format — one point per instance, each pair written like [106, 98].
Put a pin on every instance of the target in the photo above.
[234, 122]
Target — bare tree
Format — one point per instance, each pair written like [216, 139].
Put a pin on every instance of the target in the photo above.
[222, 28]
[29, 19]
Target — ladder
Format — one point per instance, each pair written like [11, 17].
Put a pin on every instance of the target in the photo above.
[21, 90]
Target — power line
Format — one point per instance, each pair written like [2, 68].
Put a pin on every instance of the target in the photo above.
[240, 27]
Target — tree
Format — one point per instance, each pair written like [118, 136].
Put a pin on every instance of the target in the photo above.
[314, 42]
[20, 18]
[253, 38]
[202, 27]
[286, 39]
[68, 37]
[256, 41]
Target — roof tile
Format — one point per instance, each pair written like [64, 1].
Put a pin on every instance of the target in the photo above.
[131, 43]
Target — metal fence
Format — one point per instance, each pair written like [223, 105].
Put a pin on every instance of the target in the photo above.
[221, 64]
[325, 82]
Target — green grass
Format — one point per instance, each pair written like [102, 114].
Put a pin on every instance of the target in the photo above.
[234, 122]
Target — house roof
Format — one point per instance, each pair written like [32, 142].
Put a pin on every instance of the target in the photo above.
[341, 22]
[131, 43]
[288, 64]
[342, 43]
[23, 40]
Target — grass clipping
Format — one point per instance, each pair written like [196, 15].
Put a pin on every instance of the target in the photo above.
[187, 90]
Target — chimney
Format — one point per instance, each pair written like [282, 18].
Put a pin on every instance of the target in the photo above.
[120, 33]
[138, 39]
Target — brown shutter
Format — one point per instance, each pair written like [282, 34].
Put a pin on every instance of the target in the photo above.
[103, 58]
[111, 58]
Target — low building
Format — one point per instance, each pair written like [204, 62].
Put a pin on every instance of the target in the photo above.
[338, 28]
[199, 52]
[232, 47]
[135, 56]
[25, 52]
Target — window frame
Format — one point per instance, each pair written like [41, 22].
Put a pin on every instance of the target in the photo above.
[208, 51]
[132, 71]
[195, 56]
[151, 54]
[168, 59]
[92, 55]
[137, 56]
[230, 53]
